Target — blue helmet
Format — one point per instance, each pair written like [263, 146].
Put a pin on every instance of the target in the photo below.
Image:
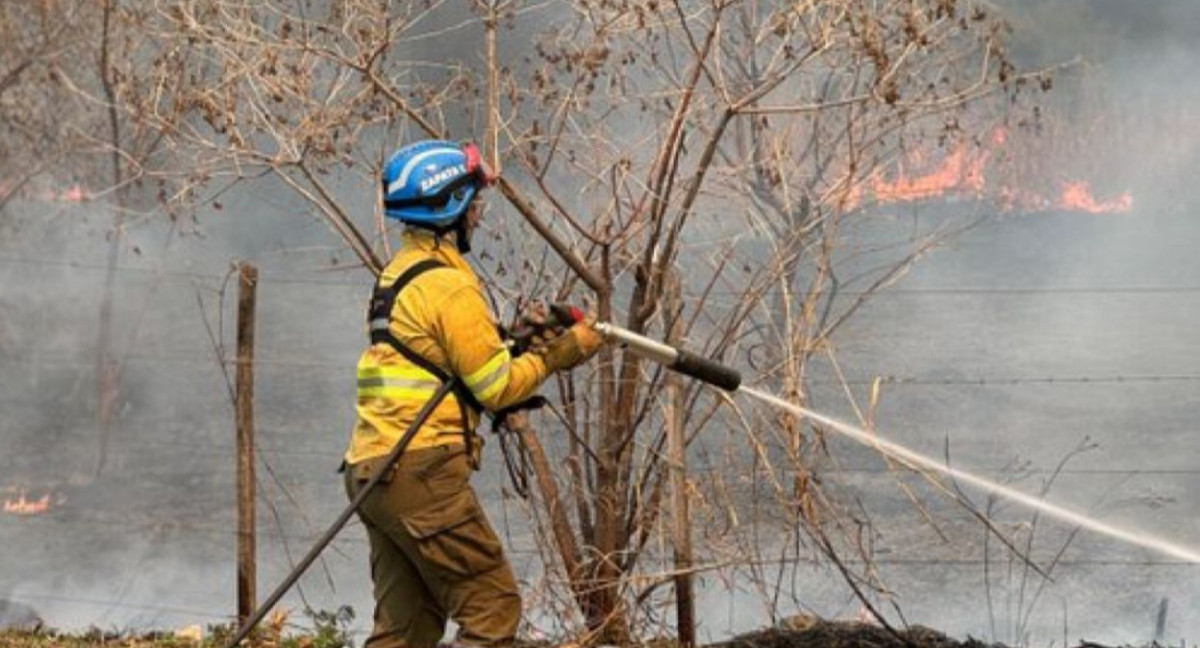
[431, 183]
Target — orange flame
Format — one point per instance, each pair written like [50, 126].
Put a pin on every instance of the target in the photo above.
[22, 506]
[958, 174]
[962, 173]
[1077, 196]
[74, 193]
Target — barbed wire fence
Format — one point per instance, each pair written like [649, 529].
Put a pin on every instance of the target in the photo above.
[283, 457]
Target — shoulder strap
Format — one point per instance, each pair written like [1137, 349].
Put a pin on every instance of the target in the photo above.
[383, 299]
[379, 318]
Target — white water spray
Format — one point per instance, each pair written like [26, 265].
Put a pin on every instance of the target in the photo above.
[904, 454]
[730, 380]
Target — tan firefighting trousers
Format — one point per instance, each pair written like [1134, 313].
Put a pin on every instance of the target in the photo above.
[433, 554]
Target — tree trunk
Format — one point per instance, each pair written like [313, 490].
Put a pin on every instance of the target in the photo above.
[107, 368]
[685, 605]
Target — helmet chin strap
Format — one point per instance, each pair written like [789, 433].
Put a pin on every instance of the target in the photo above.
[463, 238]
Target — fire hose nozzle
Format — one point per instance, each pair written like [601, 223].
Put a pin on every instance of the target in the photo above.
[675, 359]
[556, 316]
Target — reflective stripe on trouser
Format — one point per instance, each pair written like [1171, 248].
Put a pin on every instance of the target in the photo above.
[433, 555]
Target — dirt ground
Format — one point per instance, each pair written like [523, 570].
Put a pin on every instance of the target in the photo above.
[848, 634]
[845, 634]
[815, 634]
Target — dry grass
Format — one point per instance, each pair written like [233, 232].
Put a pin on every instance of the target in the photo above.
[21, 639]
[811, 633]
[329, 632]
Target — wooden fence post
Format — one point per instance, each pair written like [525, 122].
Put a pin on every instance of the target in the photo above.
[244, 408]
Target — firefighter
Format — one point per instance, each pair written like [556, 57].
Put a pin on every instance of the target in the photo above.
[434, 556]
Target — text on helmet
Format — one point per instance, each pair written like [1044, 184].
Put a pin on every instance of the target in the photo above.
[438, 178]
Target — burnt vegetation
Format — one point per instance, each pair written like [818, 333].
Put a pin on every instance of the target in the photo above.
[697, 169]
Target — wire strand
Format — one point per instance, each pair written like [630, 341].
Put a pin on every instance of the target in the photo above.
[269, 278]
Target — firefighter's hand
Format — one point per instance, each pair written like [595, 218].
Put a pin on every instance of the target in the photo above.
[533, 329]
[542, 322]
[573, 347]
[533, 316]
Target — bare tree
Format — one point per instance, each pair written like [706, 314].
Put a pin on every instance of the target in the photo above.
[63, 138]
[733, 143]
[736, 121]
[37, 128]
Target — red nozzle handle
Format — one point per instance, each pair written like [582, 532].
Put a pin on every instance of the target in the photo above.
[565, 315]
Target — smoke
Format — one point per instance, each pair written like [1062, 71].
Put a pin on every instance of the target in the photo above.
[19, 616]
[134, 546]
[1126, 86]
[149, 542]
[1037, 333]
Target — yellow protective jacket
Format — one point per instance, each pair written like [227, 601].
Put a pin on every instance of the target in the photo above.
[442, 316]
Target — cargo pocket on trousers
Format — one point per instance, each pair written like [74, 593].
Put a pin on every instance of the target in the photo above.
[455, 537]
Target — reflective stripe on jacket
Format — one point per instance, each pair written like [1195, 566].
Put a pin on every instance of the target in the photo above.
[443, 317]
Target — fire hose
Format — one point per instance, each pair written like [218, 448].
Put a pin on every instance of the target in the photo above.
[673, 358]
